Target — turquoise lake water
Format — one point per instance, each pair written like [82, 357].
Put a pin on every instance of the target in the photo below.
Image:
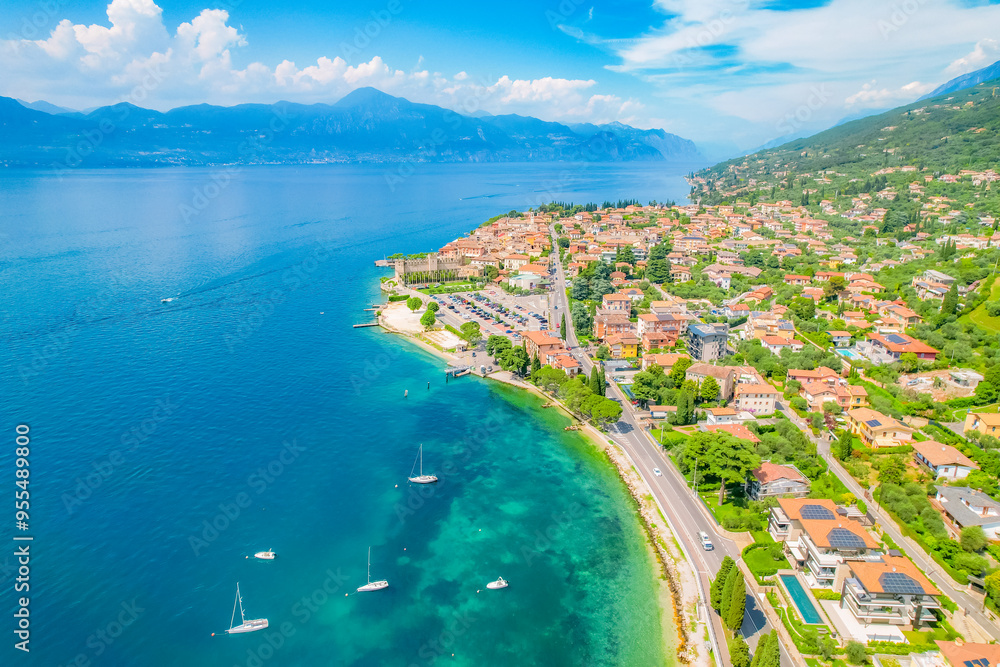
[172, 440]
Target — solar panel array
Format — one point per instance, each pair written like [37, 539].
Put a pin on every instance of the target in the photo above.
[895, 338]
[841, 538]
[873, 423]
[978, 662]
[899, 583]
[816, 512]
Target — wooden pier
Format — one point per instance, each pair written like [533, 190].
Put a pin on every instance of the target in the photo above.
[366, 324]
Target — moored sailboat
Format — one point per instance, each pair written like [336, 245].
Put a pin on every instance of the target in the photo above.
[372, 585]
[253, 625]
[421, 478]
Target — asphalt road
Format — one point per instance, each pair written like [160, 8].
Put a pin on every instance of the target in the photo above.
[947, 585]
[677, 501]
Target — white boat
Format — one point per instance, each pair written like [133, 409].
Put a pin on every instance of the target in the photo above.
[499, 583]
[265, 555]
[372, 585]
[421, 478]
[168, 299]
[253, 625]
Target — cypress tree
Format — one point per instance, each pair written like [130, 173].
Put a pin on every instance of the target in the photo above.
[772, 655]
[562, 329]
[603, 384]
[535, 363]
[738, 599]
[762, 645]
[595, 380]
[950, 301]
[715, 591]
[727, 594]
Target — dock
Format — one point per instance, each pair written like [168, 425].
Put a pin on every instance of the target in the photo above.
[366, 324]
[458, 371]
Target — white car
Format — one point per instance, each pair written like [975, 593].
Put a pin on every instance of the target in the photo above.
[656, 471]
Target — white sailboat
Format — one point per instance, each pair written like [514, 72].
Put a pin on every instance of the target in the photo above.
[253, 625]
[372, 585]
[265, 555]
[421, 478]
[499, 583]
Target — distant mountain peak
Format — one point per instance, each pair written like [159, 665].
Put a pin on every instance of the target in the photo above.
[964, 81]
[367, 96]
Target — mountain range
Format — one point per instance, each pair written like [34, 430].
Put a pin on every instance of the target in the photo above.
[964, 81]
[367, 125]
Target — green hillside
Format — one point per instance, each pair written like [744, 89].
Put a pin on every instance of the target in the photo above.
[943, 135]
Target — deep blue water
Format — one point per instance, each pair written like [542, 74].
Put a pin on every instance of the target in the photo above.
[170, 441]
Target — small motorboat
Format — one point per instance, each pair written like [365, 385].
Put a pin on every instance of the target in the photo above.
[168, 299]
[265, 555]
[499, 583]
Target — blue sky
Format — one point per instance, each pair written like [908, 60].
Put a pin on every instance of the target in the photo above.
[732, 73]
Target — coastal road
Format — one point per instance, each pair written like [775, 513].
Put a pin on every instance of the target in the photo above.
[682, 509]
[971, 605]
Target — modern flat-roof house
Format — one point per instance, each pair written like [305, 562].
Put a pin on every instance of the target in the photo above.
[819, 537]
[840, 338]
[888, 591]
[970, 507]
[943, 460]
[707, 342]
[986, 423]
[875, 429]
[771, 480]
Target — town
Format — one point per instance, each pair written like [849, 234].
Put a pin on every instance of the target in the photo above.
[812, 398]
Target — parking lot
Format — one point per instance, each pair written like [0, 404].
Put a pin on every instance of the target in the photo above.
[496, 312]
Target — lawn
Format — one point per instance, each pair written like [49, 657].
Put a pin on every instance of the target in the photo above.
[979, 315]
[449, 289]
[762, 564]
[923, 640]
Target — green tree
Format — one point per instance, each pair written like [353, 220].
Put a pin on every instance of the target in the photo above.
[471, 333]
[709, 389]
[657, 271]
[491, 272]
[973, 539]
[731, 460]
[433, 306]
[496, 345]
[909, 362]
[986, 392]
[535, 364]
[856, 653]
[515, 360]
[891, 470]
[737, 593]
[414, 303]
[679, 370]
[950, 301]
[845, 445]
[595, 380]
[549, 379]
[768, 653]
[603, 353]
[739, 652]
[607, 412]
[562, 328]
[428, 319]
[715, 591]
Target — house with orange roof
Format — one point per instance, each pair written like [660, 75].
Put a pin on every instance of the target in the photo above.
[757, 399]
[943, 460]
[965, 654]
[736, 430]
[818, 394]
[888, 591]
[623, 346]
[617, 303]
[720, 416]
[820, 537]
[770, 480]
[664, 360]
[876, 430]
[886, 349]
[987, 423]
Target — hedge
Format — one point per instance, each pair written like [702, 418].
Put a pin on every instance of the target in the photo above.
[398, 297]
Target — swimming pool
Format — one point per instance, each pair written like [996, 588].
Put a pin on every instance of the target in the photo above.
[802, 600]
[850, 354]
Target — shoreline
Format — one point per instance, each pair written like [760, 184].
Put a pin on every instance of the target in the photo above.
[677, 593]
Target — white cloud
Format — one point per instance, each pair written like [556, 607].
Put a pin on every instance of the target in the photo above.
[136, 58]
[987, 52]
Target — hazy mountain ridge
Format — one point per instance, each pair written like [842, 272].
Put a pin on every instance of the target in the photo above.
[365, 126]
